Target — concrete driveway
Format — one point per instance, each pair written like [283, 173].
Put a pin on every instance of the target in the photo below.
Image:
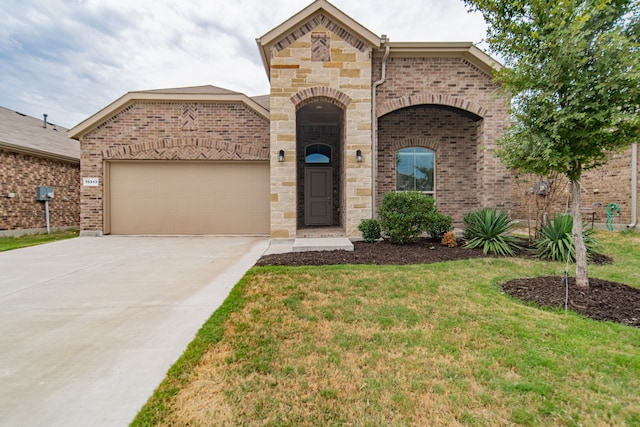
[89, 326]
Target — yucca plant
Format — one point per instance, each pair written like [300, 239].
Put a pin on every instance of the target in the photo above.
[490, 230]
[556, 242]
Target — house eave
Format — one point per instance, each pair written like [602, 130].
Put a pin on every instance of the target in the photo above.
[466, 50]
[263, 56]
[39, 153]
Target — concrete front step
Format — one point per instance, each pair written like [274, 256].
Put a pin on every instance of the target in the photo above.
[322, 244]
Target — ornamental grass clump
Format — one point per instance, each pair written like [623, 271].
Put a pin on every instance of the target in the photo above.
[556, 241]
[490, 230]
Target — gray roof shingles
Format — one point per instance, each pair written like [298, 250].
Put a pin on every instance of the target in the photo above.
[262, 100]
[204, 90]
[22, 133]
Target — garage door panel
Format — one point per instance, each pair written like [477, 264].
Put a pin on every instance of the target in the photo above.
[189, 198]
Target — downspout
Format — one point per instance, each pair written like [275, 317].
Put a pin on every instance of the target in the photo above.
[374, 125]
[634, 185]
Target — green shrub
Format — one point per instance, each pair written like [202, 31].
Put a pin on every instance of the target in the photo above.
[489, 229]
[404, 215]
[370, 229]
[556, 240]
[438, 224]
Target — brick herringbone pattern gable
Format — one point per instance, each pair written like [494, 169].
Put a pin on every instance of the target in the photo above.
[320, 47]
[315, 21]
[190, 117]
[187, 149]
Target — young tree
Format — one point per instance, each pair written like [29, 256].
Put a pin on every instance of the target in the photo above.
[573, 71]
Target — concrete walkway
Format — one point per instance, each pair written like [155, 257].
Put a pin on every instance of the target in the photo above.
[279, 246]
[89, 326]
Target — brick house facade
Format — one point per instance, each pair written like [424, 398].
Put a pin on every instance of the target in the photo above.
[319, 151]
[601, 187]
[189, 125]
[34, 155]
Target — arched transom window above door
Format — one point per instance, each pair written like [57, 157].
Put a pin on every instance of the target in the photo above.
[415, 170]
[317, 153]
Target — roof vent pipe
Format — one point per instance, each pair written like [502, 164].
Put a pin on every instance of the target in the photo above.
[45, 121]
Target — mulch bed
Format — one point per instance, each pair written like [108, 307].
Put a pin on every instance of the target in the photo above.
[603, 300]
[424, 251]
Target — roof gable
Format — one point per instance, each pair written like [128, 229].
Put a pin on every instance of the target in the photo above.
[25, 134]
[319, 13]
[205, 93]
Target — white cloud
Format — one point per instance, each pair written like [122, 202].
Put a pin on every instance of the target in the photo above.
[71, 58]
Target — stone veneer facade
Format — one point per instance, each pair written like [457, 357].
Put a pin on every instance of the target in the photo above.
[297, 79]
[20, 174]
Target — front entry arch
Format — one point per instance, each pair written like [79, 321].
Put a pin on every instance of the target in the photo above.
[319, 143]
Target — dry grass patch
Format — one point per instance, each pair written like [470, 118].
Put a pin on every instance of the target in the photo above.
[410, 345]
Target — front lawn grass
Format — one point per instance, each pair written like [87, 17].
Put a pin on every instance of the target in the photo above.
[434, 344]
[9, 243]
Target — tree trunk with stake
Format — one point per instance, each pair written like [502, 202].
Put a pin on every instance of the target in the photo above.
[582, 274]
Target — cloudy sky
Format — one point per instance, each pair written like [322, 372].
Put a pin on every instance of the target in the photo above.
[70, 58]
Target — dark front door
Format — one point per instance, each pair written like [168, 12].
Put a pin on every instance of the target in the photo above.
[318, 183]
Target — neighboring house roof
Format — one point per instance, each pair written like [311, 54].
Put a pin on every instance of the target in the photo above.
[205, 93]
[295, 27]
[26, 134]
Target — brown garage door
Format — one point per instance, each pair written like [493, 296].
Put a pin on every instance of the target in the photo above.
[150, 197]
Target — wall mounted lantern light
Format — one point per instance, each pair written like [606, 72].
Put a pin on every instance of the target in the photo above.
[359, 156]
[281, 156]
